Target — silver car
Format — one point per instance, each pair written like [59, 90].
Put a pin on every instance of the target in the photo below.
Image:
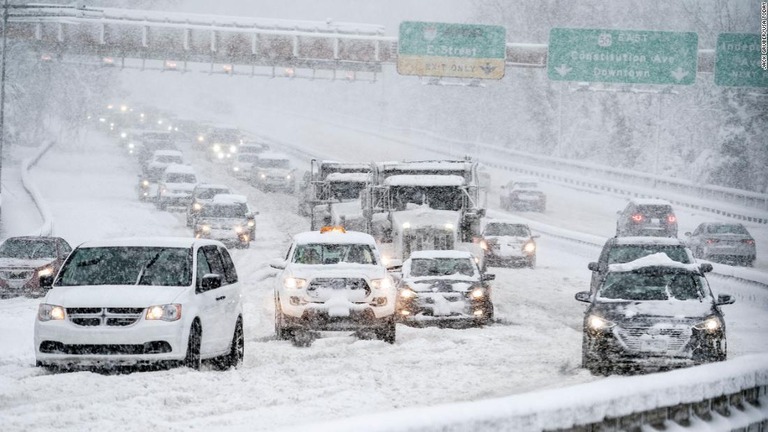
[723, 242]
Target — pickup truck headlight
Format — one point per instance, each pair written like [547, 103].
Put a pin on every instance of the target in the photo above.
[216, 148]
[168, 312]
[384, 283]
[598, 323]
[238, 229]
[197, 206]
[233, 149]
[205, 228]
[448, 226]
[477, 293]
[46, 271]
[710, 325]
[251, 223]
[294, 283]
[529, 247]
[49, 312]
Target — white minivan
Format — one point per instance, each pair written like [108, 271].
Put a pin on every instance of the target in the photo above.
[142, 300]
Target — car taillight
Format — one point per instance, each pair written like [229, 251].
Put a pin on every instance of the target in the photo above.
[637, 217]
[671, 218]
[711, 241]
[748, 241]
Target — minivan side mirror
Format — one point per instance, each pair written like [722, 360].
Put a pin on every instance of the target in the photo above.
[593, 266]
[725, 299]
[705, 267]
[582, 296]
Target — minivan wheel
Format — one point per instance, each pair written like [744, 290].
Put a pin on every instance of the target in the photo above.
[237, 348]
[192, 359]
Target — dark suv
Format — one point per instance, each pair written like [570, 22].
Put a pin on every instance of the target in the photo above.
[619, 250]
[647, 217]
[653, 313]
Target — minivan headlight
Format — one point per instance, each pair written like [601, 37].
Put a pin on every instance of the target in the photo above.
[168, 312]
[49, 312]
[294, 283]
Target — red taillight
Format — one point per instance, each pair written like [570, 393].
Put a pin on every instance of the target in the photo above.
[711, 241]
[671, 218]
[637, 217]
[748, 241]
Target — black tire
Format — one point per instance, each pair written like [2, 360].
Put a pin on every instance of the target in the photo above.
[237, 347]
[388, 333]
[281, 333]
[193, 360]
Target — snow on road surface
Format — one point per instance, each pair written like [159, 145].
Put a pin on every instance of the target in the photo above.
[535, 345]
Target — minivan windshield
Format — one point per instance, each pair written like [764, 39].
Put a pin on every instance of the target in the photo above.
[137, 265]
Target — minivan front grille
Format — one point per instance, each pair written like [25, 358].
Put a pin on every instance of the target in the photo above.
[112, 317]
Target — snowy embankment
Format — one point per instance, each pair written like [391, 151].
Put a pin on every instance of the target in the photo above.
[606, 401]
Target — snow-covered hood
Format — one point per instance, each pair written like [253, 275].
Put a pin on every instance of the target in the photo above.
[18, 263]
[424, 217]
[187, 187]
[113, 295]
[441, 283]
[634, 311]
[224, 222]
[341, 270]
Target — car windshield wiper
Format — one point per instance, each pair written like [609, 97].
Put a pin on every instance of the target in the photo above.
[146, 266]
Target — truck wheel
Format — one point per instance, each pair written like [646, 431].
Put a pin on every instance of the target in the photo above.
[388, 333]
[281, 332]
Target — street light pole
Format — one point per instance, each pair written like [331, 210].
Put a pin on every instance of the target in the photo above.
[2, 89]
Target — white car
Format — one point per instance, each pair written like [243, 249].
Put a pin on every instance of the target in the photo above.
[243, 165]
[176, 186]
[227, 218]
[137, 301]
[273, 172]
[160, 160]
[333, 279]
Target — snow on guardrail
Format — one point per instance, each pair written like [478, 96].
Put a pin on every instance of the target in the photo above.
[728, 395]
[46, 229]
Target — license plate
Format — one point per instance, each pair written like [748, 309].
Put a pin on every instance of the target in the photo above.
[654, 345]
[656, 221]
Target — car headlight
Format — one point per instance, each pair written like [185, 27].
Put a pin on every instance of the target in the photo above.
[123, 135]
[200, 138]
[49, 312]
[406, 225]
[710, 325]
[597, 323]
[383, 283]
[233, 149]
[294, 283]
[216, 148]
[220, 155]
[238, 229]
[477, 293]
[407, 293]
[263, 176]
[131, 145]
[205, 228]
[236, 168]
[288, 177]
[197, 206]
[448, 226]
[45, 272]
[251, 223]
[529, 247]
[145, 183]
[168, 312]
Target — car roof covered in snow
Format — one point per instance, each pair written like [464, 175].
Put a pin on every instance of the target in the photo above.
[424, 180]
[167, 153]
[211, 186]
[229, 199]
[332, 237]
[348, 177]
[180, 169]
[666, 241]
[169, 242]
[656, 260]
[272, 155]
[650, 201]
[432, 254]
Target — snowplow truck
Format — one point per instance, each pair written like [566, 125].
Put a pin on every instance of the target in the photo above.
[331, 194]
[423, 205]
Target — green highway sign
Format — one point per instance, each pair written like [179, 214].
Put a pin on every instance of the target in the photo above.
[451, 50]
[737, 61]
[622, 56]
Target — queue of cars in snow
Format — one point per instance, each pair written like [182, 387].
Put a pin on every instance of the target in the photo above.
[179, 301]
